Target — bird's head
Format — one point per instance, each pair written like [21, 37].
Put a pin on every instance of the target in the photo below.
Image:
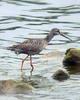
[56, 31]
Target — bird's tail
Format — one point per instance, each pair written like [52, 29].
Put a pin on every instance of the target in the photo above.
[12, 48]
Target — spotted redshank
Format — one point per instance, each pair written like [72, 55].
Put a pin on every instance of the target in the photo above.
[34, 46]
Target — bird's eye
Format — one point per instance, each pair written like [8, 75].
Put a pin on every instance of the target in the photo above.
[57, 30]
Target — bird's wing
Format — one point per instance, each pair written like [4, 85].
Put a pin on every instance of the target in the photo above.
[31, 44]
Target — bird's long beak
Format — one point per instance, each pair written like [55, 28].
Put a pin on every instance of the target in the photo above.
[62, 34]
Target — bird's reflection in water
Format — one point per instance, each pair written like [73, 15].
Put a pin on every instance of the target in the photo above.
[37, 81]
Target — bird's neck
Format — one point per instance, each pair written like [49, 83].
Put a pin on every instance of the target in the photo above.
[49, 37]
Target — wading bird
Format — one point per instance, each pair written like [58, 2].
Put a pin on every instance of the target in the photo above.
[34, 46]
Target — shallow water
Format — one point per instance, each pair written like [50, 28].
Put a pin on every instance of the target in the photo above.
[21, 19]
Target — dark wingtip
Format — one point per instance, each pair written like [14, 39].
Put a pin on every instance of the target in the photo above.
[12, 48]
[9, 48]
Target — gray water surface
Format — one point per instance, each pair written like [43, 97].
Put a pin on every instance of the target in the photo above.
[21, 19]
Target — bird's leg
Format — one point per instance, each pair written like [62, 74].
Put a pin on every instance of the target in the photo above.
[32, 67]
[23, 62]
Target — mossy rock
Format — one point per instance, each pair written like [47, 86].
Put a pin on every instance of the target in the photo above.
[23, 87]
[71, 60]
[72, 57]
[14, 86]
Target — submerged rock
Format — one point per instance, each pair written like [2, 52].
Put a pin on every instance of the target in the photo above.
[60, 75]
[14, 86]
[23, 88]
[71, 60]
[38, 81]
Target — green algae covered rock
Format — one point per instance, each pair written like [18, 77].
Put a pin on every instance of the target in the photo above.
[72, 57]
[71, 60]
